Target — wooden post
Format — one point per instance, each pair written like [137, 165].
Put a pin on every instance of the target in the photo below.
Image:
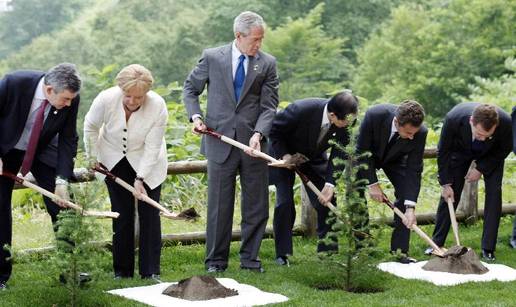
[308, 215]
[469, 200]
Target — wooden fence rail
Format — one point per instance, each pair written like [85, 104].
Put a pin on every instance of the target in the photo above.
[467, 211]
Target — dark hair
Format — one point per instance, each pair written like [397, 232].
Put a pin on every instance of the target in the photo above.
[63, 77]
[485, 115]
[410, 112]
[343, 104]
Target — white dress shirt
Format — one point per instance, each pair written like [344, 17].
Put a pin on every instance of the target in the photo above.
[235, 55]
[37, 101]
[109, 138]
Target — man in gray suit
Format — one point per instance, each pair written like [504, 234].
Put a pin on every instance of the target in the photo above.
[242, 99]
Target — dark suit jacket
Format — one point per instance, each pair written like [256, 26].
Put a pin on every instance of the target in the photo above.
[297, 128]
[373, 137]
[16, 93]
[455, 142]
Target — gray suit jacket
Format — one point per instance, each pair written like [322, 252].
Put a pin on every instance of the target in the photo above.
[254, 111]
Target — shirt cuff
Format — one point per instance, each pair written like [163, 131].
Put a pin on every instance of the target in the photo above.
[410, 203]
[196, 116]
[329, 184]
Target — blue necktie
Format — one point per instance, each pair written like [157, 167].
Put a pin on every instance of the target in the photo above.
[238, 83]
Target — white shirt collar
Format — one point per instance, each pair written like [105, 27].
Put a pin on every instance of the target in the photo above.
[235, 54]
[393, 127]
[325, 119]
[40, 94]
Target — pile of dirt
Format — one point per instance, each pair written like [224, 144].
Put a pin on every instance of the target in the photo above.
[199, 288]
[459, 260]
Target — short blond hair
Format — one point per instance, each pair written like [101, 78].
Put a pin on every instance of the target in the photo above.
[134, 75]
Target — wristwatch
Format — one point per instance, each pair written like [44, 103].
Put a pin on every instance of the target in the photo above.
[139, 178]
[410, 206]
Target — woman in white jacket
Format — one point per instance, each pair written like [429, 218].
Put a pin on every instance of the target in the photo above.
[124, 130]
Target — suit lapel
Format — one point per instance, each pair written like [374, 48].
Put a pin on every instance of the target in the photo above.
[315, 128]
[385, 133]
[253, 67]
[467, 134]
[227, 72]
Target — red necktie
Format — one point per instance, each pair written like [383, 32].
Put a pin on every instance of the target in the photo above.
[34, 138]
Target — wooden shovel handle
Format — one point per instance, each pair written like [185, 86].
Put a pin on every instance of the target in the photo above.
[266, 157]
[54, 197]
[436, 249]
[453, 220]
[165, 212]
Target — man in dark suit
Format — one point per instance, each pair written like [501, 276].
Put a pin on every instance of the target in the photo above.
[512, 240]
[34, 108]
[395, 136]
[242, 98]
[473, 132]
[305, 127]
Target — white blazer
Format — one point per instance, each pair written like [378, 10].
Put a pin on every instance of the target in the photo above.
[109, 138]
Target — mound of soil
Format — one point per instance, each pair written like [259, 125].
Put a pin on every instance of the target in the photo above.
[199, 288]
[459, 260]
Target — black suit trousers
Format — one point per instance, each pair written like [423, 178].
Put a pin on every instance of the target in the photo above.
[45, 177]
[492, 205]
[122, 201]
[400, 237]
[285, 212]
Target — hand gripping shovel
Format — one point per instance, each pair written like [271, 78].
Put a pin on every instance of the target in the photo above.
[69, 204]
[187, 214]
[266, 157]
[436, 250]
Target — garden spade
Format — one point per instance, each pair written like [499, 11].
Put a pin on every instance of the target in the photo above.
[54, 197]
[187, 214]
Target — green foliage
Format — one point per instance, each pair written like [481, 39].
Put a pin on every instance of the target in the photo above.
[352, 221]
[500, 91]
[29, 19]
[307, 57]
[75, 252]
[433, 54]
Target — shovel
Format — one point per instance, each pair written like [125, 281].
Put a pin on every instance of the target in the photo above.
[69, 204]
[436, 250]
[187, 214]
[268, 158]
[453, 220]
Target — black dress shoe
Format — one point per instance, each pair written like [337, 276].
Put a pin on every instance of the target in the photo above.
[154, 277]
[283, 260]
[488, 255]
[3, 286]
[259, 269]
[512, 243]
[215, 269]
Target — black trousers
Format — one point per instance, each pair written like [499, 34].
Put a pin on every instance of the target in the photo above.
[285, 211]
[45, 177]
[122, 201]
[400, 237]
[492, 205]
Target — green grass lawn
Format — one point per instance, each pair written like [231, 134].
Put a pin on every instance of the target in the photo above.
[34, 282]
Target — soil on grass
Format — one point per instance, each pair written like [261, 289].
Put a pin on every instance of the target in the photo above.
[199, 288]
[459, 260]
